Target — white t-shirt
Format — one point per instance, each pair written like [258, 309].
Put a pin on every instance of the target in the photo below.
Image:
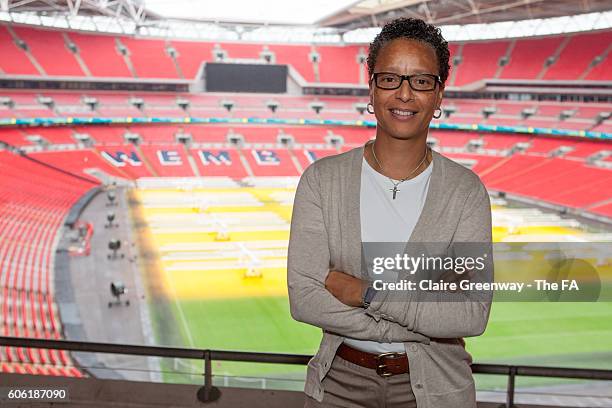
[384, 219]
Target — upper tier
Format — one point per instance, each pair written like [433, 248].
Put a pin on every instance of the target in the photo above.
[97, 55]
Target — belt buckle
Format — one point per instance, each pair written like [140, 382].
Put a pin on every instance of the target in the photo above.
[380, 367]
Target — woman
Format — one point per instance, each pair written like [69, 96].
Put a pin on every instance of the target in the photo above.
[374, 351]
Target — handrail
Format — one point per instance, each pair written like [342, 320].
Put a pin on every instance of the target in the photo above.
[208, 393]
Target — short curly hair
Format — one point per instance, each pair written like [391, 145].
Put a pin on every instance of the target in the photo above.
[412, 29]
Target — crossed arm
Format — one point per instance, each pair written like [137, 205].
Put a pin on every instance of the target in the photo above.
[468, 314]
[332, 301]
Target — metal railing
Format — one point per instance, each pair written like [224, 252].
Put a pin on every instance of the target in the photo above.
[209, 393]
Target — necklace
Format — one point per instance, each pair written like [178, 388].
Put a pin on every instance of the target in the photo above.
[395, 189]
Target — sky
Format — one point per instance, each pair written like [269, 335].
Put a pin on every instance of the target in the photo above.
[272, 11]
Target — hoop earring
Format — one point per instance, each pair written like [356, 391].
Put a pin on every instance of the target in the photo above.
[439, 114]
[368, 107]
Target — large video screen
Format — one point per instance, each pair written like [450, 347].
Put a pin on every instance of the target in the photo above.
[222, 77]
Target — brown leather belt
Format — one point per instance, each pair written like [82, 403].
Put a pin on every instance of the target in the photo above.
[386, 364]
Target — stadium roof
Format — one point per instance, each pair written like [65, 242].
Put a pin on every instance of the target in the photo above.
[372, 13]
[227, 11]
[311, 21]
[128, 9]
[343, 14]
[253, 11]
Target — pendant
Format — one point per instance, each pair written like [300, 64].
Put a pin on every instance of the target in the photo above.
[395, 190]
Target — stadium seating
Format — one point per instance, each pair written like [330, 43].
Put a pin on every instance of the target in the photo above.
[14, 60]
[77, 162]
[578, 55]
[307, 156]
[502, 142]
[191, 55]
[451, 138]
[601, 71]
[53, 135]
[565, 180]
[128, 159]
[168, 160]
[297, 56]
[155, 134]
[150, 58]
[583, 116]
[241, 50]
[528, 57]
[49, 49]
[103, 135]
[270, 162]
[479, 61]
[334, 57]
[482, 163]
[604, 209]
[29, 223]
[219, 162]
[14, 137]
[101, 55]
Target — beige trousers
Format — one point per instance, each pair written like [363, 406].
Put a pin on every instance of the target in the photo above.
[348, 385]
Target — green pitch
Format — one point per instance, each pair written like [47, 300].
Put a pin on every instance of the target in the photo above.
[551, 334]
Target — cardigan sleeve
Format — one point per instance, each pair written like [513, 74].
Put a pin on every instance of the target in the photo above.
[307, 268]
[468, 313]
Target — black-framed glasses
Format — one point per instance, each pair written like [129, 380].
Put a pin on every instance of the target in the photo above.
[418, 82]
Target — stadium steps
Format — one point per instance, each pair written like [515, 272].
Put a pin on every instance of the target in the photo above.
[528, 57]
[101, 55]
[191, 161]
[77, 56]
[296, 56]
[578, 55]
[556, 55]
[295, 161]
[480, 61]
[557, 171]
[315, 66]
[602, 203]
[453, 76]
[517, 169]
[191, 56]
[14, 60]
[28, 54]
[177, 66]
[602, 71]
[582, 193]
[604, 59]
[604, 209]
[149, 58]
[133, 171]
[508, 55]
[245, 163]
[117, 169]
[49, 49]
[363, 68]
[145, 160]
[126, 57]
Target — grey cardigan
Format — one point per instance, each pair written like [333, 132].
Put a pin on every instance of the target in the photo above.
[325, 235]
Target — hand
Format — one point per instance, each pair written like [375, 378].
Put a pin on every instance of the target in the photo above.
[346, 288]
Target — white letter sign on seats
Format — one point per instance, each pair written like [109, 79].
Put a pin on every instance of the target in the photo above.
[119, 159]
[266, 157]
[169, 158]
[207, 157]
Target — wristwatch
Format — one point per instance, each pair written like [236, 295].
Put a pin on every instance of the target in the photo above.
[368, 296]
